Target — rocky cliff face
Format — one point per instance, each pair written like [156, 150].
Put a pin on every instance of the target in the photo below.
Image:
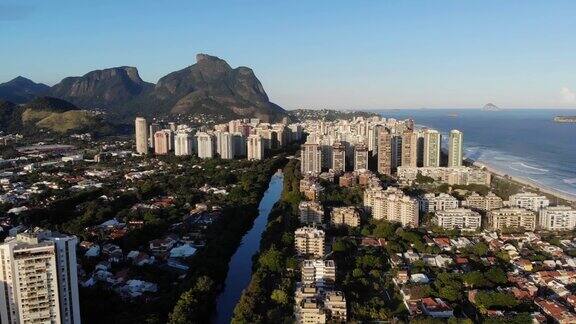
[107, 89]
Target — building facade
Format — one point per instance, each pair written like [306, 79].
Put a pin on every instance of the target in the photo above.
[141, 129]
[512, 218]
[461, 218]
[455, 144]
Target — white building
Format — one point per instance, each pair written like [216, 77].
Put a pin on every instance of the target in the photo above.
[528, 200]
[461, 218]
[225, 144]
[255, 147]
[455, 144]
[183, 143]
[558, 218]
[432, 146]
[392, 205]
[141, 135]
[432, 203]
[205, 145]
[512, 218]
[311, 158]
[38, 279]
[319, 272]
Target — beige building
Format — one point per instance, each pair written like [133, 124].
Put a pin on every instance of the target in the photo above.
[455, 143]
[348, 216]
[360, 157]
[141, 135]
[205, 145]
[310, 188]
[392, 205]
[384, 152]
[338, 157]
[311, 212]
[409, 149]
[162, 142]
[488, 202]
[335, 305]
[310, 311]
[461, 218]
[432, 148]
[558, 218]
[310, 159]
[309, 241]
[512, 218]
[38, 279]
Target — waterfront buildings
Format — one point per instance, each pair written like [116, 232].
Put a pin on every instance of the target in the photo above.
[455, 143]
[348, 216]
[309, 241]
[512, 218]
[461, 218]
[430, 202]
[452, 175]
[141, 135]
[528, 200]
[432, 148]
[311, 212]
[311, 158]
[558, 218]
[38, 279]
[255, 149]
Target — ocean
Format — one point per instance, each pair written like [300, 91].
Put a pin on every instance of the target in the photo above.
[524, 143]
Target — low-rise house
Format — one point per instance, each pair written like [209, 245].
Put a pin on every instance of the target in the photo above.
[436, 307]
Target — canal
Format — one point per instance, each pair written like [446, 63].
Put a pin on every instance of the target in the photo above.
[240, 266]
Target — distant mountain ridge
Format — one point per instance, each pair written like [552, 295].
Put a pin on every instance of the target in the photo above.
[21, 90]
[210, 86]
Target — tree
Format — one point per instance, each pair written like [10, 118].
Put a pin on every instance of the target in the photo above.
[496, 275]
[280, 297]
[271, 260]
[475, 279]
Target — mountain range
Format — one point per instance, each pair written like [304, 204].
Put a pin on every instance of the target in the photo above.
[209, 86]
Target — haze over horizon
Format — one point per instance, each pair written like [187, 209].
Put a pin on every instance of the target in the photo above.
[333, 54]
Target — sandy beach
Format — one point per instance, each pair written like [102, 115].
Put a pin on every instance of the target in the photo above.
[527, 182]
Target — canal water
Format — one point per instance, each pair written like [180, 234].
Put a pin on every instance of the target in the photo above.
[240, 266]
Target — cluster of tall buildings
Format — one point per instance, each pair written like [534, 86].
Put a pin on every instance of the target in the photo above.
[38, 279]
[352, 145]
[248, 138]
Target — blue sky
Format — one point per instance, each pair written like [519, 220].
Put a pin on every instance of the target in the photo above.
[314, 53]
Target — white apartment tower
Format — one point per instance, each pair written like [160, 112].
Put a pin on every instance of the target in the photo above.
[205, 145]
[455, 148]
[432, 146]
[38, 279]
[255, 149]
[184, 143]
[141, 135]
[225, 145]
[558, 218]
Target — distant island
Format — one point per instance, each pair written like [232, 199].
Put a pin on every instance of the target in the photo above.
[490, 107]
[565, 119]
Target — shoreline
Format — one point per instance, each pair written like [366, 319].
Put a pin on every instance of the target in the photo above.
[526, 182]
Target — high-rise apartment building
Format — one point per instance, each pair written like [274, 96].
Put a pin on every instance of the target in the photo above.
[38, 279]
[225, 145]
[154, 127]
[392, 205]
[311, 212]
[430, 203]
[183, 143]
[409, 149]
[162, 142]
[321, 273]
[361, 157]
[455, 144]
[141, 129]
[384, 152]
[338, 157]
[528, 200]
[432, 148]
[255, 147]
[311, 158]
[348, 216]
[205, 145]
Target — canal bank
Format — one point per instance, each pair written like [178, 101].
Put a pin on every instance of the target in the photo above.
[240, 266]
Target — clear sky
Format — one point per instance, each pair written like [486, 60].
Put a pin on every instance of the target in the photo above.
[314, 53]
